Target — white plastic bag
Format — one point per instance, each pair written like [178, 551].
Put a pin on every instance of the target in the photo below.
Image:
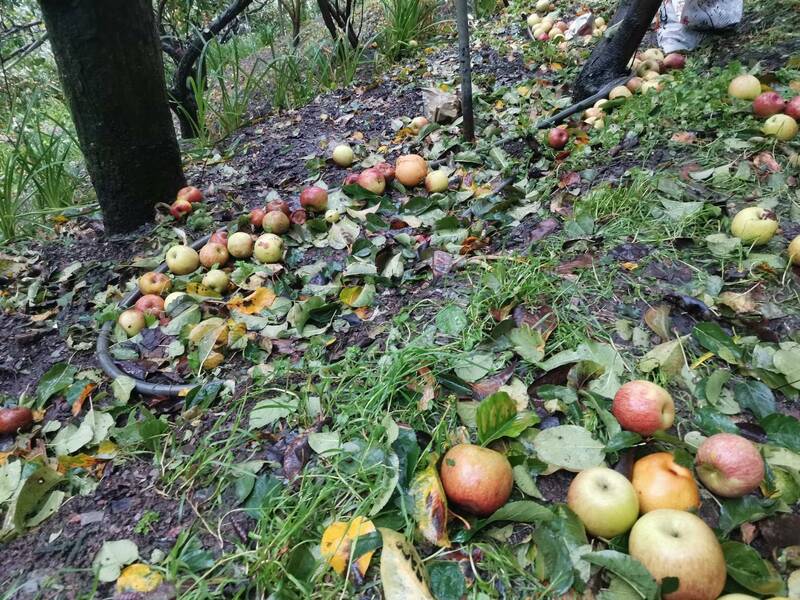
[682, 24]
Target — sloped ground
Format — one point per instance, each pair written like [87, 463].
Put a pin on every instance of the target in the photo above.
[606, 262]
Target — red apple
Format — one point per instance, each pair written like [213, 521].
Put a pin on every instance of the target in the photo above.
[280, 205]
[643, 407]
[219, 237]
[180, 208]
[729, 465]
[660, 482]
[153, 282]
[213, 254]
[386, 170]
[557, 138]
[150, 304]
[351, 178]
[299, 217]
[15, 418]
[768, 104]
[257, 217]
[475, 479]
[674, 60]
[793, 108]
[542, 37]
[314, 199]
[190, 194]
[372, 180]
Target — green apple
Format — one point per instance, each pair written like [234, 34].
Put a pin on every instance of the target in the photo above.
[604, 501]
[240, 245]
[675, 543]
[794, 251]
[343, 155]
[216, 280]
[182, 260]
[132, 321]
[754, 225]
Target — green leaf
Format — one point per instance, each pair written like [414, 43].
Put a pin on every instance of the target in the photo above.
[711, 421]
[522, 511]
[447, 580]
[265, 489]
[266, 412]
[528, 343]
[553, 561]
[627, 568]
[10, 476]
[35, 488]
[714, 339]
[57, 379]
[604, 355]
[474, 366]
[622, 440]
[748, 569]
[497, 417]
[755, 397]
[747, 509]
[783, 430]
[667, 356]
[722, 245]
[569, 447]
[112, 556]
[451, 320]
[122, 387]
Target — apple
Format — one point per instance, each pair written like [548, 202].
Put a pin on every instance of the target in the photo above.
[643, 407]
[410, 169]
[634, 84]
[386, 170]
[299, 216]
[594, 113]
[314, 199]
[561, 26]
[744, 87]
[276, 221]
[738, 597]
[542, 37]
[768, 104]
[350, 179]
[543, 5]
[793, 108]
[418, 123]
[619, 92]
[190, 194]
[604, 501]
[257, 217]
[132, 321]
[14, 419]
[372, 180]
[268, 248]
[599, 124]
[556, 34]
[171, 299]
[557, 138]
[660, 482]
[154, 282]
[436, 181]
[729, 465]
[343, 155]
[676, 543]
[180, 208]
[653, 54]
[651, 85]
[216, 280]
[280, 205]
[219, 237]
[332, 216]
[782, 127]
[475, 479]
[673, 61]
[794, 251]
[240, 245]
[754, 225]
[213, 254]
[533, 20]
[648, 66]
[150, 304]
[651, 75]
[182, 260]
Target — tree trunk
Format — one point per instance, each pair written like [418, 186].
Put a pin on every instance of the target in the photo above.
[109, 60]
[612, 54]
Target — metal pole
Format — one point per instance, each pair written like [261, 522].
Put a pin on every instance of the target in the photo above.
[466, 70]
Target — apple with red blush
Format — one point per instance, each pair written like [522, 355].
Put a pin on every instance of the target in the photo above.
[643, 407]
[729, 465]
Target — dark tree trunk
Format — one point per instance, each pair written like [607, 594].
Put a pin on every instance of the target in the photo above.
[612, 54]
[109, 59]
[339, 20]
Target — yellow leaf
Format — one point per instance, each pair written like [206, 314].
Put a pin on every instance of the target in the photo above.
[138, 578]
[254, 303]
[702, 359]
[630, 266]
[402, 573]
[106, 450]
[337, 541]
[430, 505]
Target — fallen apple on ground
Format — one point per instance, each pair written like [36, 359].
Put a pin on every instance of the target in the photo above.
[154, 282]
[386, 170]
[418, 123]
[754, 225]
[180, 208]
[604, 501]
[190, 193]
[132, 321]
[372, 180]
[643, 407]
[268, 248]
[332, 216]
[343, 155]
[634, 84]
[793, 108]
[314, 198]
[280, 205]
[660, 482]
[240, 245]
[219, 237]
[475, 479]
[676, 543]
[150, 304]
[619, 92]
[794, 251]
[768, 104]
[182, 260]
[744, 87]
[350, 179]
[557, 138]
[276, 221]
[213, 254]
[782, 127]
[436, 181]
[216, 280]
[410, 169]
[14, 419]
[674, 61]
[257, 217]
[729, 465]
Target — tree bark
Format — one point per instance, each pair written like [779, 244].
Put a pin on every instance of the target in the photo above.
[109, 60]
[612, 54]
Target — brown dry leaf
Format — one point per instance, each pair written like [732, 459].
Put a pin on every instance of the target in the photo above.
[542, 230]
[337, 541]
[658, 319]
[44, 316]
[579, 262]
[542, 319]
[430, 505]
[254, 303]
[570, 179]
[403, 573]
[489, 385]
[738, 302]
[684, 137]
[441, 263]
[472, 244]
[427, 385]
[749, 532]
[77, 405]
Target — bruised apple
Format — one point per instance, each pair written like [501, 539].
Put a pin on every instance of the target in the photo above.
[182, 260]
[557, 138]
[150, 304]
[257, 217]
[643, 407]
[754, 225]
[386, 170]
[780, 126]
[219, 237]
[604, 501]
[276, 221]
[793, 108]
[660, 482]
[372, 180]
[132, 321]
[14, 419]
[240, 245]
[729, 465]
[436, 181]
[314, 198]
[180, 208]
[350, 179]
[268, 248]
[475, 479]
[213, 254]
[154, 282]
[280, 205]
[768, 104]
[411, 169]
[744, 87]
[190, 193]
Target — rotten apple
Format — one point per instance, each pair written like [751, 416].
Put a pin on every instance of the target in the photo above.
[150, 304]
[557, 138]
[768, 104]
[754, 225]
[793, 108]
[729, 465]
[14, 419]
[268, 248]
[643, 407]
[372, 180]
[180, 208]
[280, 205]
[219, 237]
[190, 193]
[314, 198]
[257, 217]
[475, 479]
[387, 171]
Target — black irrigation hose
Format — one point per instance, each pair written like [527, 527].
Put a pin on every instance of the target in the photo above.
[585, 103]
[107, 362]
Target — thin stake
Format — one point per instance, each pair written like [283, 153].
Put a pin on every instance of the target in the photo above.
[466, 70]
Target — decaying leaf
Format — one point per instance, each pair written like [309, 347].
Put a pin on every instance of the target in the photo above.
[430, 505]
[657, 319]
[337, 541]
[402, 572]
[738, 302]
[138, 578]
[254, 303]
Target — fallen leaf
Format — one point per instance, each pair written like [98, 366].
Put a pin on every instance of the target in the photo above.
[430, 505]
[337, 540]
[684, 137]
[579, 262]
[138, 578]
[77, 405]
[403, 574]
[542, 230]
[658, 319]
[254, 303]
[738, 302]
